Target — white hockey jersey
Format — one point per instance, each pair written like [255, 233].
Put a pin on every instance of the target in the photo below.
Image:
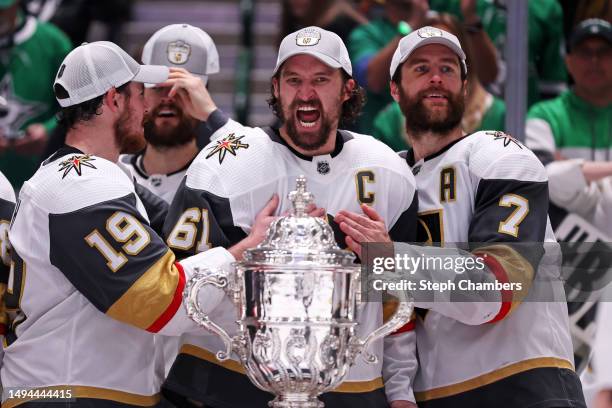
[488, 190]
[162, 185]
[228, 184]
[90, 282]
[7, 205]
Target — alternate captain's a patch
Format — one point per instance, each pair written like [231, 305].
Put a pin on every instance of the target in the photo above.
[229, 144]
[76, 162]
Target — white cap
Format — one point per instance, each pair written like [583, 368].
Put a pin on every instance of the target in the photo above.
[321, 44]
[425, 36]
[183, 46]
[91, 69]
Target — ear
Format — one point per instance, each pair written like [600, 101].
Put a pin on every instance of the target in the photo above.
[111, 99]
[349, 87]
[569, 63]
[395, 92]
[465, 88]
[275, 85]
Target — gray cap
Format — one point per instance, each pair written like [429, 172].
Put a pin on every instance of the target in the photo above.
[183, 46]
[91, 69]
[321, 44]
[425, 36]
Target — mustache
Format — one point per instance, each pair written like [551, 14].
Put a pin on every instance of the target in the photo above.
[434, 89]
[312, 102]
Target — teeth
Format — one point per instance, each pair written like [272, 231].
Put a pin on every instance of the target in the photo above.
[307, 124]
[306, 108]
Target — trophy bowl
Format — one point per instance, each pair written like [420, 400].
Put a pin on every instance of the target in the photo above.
[296, 296]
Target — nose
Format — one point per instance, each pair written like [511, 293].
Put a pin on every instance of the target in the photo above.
[306, 92]
[435, 78]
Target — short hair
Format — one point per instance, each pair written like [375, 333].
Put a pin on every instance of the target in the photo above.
[351, 108]
[70, 116]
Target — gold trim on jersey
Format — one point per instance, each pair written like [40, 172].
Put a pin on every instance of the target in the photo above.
[517, 268]
[347, 386]
[491, 377]
[149, 297]
[81, 391]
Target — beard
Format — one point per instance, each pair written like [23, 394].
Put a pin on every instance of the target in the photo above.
[129, 140]
[420, 119]
[310, 140]
[169, 135]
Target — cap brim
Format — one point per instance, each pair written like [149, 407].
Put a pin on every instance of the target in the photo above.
[152, 74]
[322, 57]
[439, 40]
[204, 78]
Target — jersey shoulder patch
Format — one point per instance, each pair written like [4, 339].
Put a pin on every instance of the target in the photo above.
[239, 160]
[495, 154]
[75, 181]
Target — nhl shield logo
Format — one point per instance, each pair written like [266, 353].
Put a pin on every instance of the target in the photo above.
[307, 38]
[323, 167]
[156, 181]
[178, 52]
[428, 32]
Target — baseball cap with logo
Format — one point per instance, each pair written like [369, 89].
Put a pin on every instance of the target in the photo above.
[425, 36]
[183, 46]
[321, 44]
[593, 27]
[91, 69]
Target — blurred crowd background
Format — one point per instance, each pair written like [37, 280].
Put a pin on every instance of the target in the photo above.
[36, 34]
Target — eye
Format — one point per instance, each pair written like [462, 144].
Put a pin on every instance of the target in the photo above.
[421, 68]
[447, 69]
[293, 81]
[321, 80]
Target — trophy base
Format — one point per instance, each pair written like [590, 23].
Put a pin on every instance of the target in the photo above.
[295, 401]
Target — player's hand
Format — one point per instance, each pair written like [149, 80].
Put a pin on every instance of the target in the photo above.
[33, 142]
[603, 399]
[191, 92]
[258, 230]
[362, 228]
[402, 404]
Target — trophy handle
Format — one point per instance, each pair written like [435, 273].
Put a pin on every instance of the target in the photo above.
[400, 317]
[216, 278]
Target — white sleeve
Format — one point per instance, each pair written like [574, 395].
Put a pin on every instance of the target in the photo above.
[482, 306]
[217, 260]
[569, 189]
[400, 366]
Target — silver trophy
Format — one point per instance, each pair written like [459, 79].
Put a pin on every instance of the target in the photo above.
[296, 296]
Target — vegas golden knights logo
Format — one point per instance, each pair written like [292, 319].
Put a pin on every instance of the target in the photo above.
[448, 185]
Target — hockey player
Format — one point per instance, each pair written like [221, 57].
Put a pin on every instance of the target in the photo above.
[482, 188]
[312, 93]
[7, 205]
[90, 280]
[169, 131]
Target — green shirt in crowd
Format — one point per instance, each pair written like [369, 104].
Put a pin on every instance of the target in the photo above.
[546, 69]
[364, 43]
[571, 126]
[27, 71]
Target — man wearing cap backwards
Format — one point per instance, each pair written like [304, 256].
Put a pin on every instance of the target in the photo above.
[170, 132]
[572, 134]
[487, 191]
[313, 93]
[90, 280]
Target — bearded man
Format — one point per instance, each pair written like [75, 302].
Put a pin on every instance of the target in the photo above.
[314, 94]
[171, 133]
